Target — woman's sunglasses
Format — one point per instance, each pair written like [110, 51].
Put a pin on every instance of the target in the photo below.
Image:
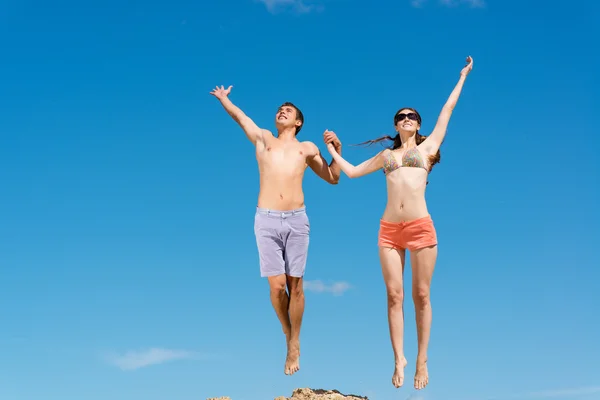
[412, 116]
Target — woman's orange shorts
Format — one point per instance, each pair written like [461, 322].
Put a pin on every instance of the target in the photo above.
[411, 235]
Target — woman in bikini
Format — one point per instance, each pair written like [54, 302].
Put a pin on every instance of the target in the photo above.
[406, 223]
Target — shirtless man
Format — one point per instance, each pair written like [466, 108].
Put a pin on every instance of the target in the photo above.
[281, 224]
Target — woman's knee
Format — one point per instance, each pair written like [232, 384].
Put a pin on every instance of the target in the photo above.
[395, 295]
[421, 295]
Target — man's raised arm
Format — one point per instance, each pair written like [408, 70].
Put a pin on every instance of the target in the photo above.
[252, 131]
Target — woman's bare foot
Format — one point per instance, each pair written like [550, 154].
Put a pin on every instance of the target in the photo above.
[292, 361]
[421, 375]
[398, 378]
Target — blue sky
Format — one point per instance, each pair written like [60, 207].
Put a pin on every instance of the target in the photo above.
[128, 265]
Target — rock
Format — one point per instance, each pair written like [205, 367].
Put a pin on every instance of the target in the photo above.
[312, 394]
[320, 394]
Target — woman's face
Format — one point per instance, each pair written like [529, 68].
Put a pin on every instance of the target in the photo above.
[407, 120]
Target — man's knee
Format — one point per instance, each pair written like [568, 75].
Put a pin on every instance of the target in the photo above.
[295, 286]
[277, 283]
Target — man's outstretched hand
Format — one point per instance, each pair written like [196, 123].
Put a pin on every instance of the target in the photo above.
[220, 92]
[330, 138]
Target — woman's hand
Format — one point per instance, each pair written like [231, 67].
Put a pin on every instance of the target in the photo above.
[332, 141]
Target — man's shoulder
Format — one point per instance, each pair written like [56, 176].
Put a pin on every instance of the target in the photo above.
[311, 148]
[309, 144]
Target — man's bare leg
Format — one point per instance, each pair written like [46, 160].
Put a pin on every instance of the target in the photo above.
[280, 301]
[392, 266]
[296, 311]
[423, 264]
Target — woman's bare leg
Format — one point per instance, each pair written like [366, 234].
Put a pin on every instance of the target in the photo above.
[423, 263]
[392, 266]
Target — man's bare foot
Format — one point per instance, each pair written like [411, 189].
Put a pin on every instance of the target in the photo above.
[292, 361]
[421, 375]
[398, 378]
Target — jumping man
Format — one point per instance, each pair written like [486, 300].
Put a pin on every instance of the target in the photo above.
[281, 224]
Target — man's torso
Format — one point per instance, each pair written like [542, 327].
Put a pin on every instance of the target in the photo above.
[281, 167]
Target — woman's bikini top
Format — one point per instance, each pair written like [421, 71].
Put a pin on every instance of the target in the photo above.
[411, 158]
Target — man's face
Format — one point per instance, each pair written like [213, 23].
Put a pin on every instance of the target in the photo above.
[286, 117]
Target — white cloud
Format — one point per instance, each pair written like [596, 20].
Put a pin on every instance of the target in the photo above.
[563, 393]
[337, 288]
[471, 3]
[451, 3]
[132, 360]
[275, 6]
[414, 396]
[549, 394]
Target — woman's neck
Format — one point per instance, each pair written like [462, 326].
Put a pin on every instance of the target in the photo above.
[407, 141]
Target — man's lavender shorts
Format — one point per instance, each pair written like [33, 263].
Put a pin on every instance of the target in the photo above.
[282, 239]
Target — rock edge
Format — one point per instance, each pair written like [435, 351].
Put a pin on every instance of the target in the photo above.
[311, 394]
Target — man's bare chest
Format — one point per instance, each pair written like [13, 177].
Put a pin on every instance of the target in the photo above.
[282, 155]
